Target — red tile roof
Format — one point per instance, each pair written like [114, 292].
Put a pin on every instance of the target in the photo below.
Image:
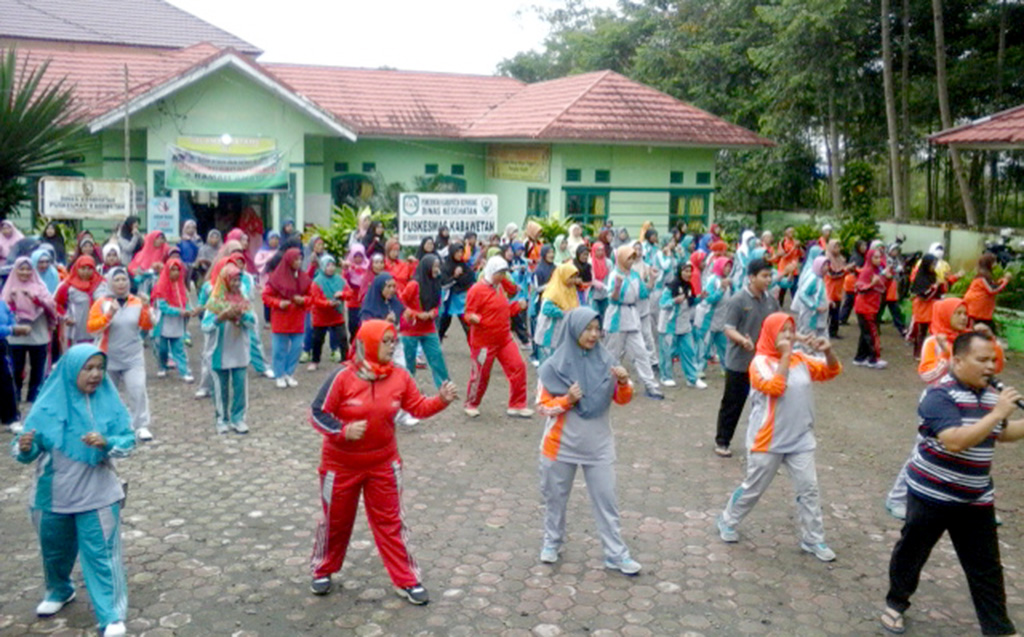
[1004, 129]
[606, 106]
[384, 103]
[151, 23]
[593, 107]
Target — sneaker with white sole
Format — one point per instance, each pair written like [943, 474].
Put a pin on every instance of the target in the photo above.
[626, 566]
[726, 532]
[699, 384]
[820, 551]
[861, 363]
[161, 373]
[414, 594]
[668, 382]
[291, 381]
[202, 393]
[240, 427]
[16, 427]
[406, 419]
[879, 364]
[116, 629]
[281, 383]
[223, 427]
[896, 510]
[269, 373]
[520, 413]
[188, 378]
[321, 585]
[144, 434]
[49, 608]
[549, 555]
[472, 412]
[311, 367]
[304, 357]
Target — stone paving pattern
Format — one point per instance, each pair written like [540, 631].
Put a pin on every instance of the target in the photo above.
[218, 529]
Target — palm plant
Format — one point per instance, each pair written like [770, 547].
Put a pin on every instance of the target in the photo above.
[38, 126]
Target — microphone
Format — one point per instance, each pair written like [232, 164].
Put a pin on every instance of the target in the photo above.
[998, 385]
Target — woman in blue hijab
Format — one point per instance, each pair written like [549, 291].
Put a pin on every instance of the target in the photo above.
[48, 273]
[77, 424]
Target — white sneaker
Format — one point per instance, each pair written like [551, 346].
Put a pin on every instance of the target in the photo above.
[406, 419]
[269, 373]
[291, 381]
[188, 378]
[48, 608]
[16, 427]
[222, 427]
[161, 373]
[116, 629]
[520, 413]
[144, 434]
[699, 384]
[668, 383]
[240, 427]
[281, 383]
[472, 412]
[202, 393]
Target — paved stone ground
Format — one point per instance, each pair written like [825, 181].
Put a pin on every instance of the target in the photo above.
[218, 530]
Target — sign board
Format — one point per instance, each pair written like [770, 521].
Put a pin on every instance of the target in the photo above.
[163, 214]
[519, 163]
[422, 213]
[228, 165]
[81, 198]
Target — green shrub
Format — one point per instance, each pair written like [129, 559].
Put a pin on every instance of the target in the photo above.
[344, 221]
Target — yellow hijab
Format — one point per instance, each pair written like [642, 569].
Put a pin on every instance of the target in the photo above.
[559, 291]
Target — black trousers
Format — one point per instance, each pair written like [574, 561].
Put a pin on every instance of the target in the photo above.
[36, 357]
[737, 386]
[895, 312]
[519, 328]
[847, 308]
[833, 318]
[972, 529]
[338, 340]
[8, 402]
[353, 323]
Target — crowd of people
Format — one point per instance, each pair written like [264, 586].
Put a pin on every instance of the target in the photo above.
[75, 325]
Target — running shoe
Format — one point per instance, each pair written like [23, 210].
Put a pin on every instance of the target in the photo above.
[144, 434]
[626, 566]
[240, 427]
[668, 382]
[549, 555]
[820, 551]
[116, 629]
[726, 532]
[414, 594]
[320, 585]
[49, 608]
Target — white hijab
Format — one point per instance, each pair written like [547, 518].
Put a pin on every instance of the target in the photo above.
[493, 266]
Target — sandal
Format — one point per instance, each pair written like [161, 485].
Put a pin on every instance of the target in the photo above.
[892, 621]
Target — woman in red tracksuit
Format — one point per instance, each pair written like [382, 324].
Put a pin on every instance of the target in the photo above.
[489, 312]
[355, 411]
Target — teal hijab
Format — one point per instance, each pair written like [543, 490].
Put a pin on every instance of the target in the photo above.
[330, 285]
[62, 414]
[50, 278]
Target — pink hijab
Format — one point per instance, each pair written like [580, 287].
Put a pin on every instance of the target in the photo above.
[29, 299]
[7, 243]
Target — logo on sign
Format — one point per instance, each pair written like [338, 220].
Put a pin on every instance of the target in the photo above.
[410, 204]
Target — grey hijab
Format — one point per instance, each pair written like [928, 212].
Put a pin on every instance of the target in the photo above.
[570, 364]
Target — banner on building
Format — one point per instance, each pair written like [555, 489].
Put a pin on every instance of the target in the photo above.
[519, 163]
[423, 213]
[227, 165]
[163, 214]
[81, 198]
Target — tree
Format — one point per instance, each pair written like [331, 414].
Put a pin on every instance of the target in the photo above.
[38, 126]
[895, 165]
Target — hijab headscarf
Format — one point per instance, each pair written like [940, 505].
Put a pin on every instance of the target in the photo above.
[533, 230]
[50, 278]
[620, 239]
[309, 254]
[286, 282]
[813, 253]
[266, 241]
[107, 249]
[455, 260]
[235, 236]
[770, 329]
[421, 251]
[561, 254]
[174, 292]
[208, 251]
[24, 307]
[7, 243]
[622, 254]
[937, 250]
[494, 265]
[818, 266]
[366, 350]
[559, 291]
[222, 298]
[126, 227]
[77, 282]
[544, 269]
[869, 270]
[56, 241]
[230, 251]
[925, 275]
[576, 238]
[442, 238]
[942, 314]
[149, 254]
[599, 264]
[329, 285]
[718, 268]
[696, 259]
[677, 284]
[430, 286]
[61, 414]
[350, 259]
[570, 363]
[510, 233]
[375, 306]
[584, 269]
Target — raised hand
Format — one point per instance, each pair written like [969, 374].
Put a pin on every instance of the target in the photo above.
[355, 430]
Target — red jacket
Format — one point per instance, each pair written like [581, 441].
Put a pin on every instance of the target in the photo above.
[402, 271]
[346, 397]
[325, 313]
[288, 321]
[410, 298]
[495, 312]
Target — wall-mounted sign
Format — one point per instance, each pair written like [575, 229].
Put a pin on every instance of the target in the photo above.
[163, 214]
[81, 198]
[421, 214]
[226, 164]
[519, 163]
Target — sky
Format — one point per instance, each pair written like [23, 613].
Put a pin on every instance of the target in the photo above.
[454, 36]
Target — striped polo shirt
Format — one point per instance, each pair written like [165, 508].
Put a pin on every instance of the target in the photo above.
[939, 475]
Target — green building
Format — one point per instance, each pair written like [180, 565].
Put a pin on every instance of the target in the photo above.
[219, 131]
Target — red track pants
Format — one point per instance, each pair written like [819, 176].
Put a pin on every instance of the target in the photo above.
[381, 487]
[480, 373]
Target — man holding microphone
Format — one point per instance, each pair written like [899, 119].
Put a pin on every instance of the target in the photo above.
[950, 487]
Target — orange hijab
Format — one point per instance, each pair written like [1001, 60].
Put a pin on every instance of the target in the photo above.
[770, 332]
[366, 348]
[942, 314]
